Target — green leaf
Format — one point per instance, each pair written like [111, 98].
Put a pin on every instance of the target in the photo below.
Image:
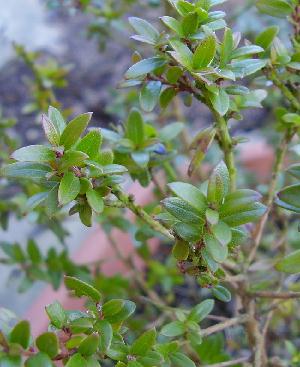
[20, 334]
[182, 53]
[242, 68]
[69, 188]
[105, 331]
[48, 343]
[145, 29]
[217, 251]
[127, 309]
[38, 360]
[149, 95]
[90, 143]
[31, 171]
[85, 215]
[251, 213]
[212, 216]
[275, 8]
[218, 185]
[294, 170]
[266, 37]
[112, 307]
[72, 158]
[173, 24]
[181, 250]
[226, 47]
[290, 263]
[89, 345]
[95, 201]
[74, 129]
[141, 158]
[92, 362]
[33, 252]
[114, 169]
[56, 118]
[144, 66]
[181, 210]
[188, 232]
[171, 131]
[56, 314]
[189, 24]
[173, 329]
[222, 233]
[290, 195]
[204, 53]
[220, 101]
[181, 360]
[76, 361]
[82, 288]
[190, 194]
[166, 97]
[292, 118]
[221, 293]
[142, 345]
[173, 74]
[246, 51]
[201, 311]
[135, 127]
[51, 131]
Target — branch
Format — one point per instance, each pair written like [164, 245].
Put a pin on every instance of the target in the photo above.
[129, 203]
[224, 325]
[283, 295]
[229, 363]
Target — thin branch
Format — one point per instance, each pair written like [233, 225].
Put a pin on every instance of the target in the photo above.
[128, 200]
[276, 295]
[229, 363]
[224, 325]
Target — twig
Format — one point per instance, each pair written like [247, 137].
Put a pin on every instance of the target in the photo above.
[229, 363]
[224, 325]
[128, 200]
[283, 295]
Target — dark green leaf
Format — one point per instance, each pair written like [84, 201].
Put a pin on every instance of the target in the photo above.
[89, 345]
[226, 47]
[266, 37]
[38, 360]
[20, 334]
[181, 360]
[105, 331]
[181, 210]
[135, 127]
[48, 343]
[181, 250]
[76, 361]
[74, 129]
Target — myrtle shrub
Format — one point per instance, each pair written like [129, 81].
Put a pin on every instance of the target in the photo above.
[220, 240]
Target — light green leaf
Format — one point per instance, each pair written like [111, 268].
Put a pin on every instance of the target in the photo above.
[266, 37]
[182, 53]
[221, 293]
[34, 153]
[217, 251]
[69, 188]
[57, 119]
[144, 66]
[173, 329]
[222, 233]
[226, 47]
[27, 170]
[290, 263]
[145, 29]
[95, 201]
[204, 53]
[51, 131]
[89, 345]
[149, 95]
[105, 331]
[181, 210]
[173, 24]
[201, 311]
[218, 185]
[37, 360]
[242, 68]
[190, 194]
[181, 360]
[275, 8]
[76, 361]
[90, 143]
[181, 250]
[220, 101]
[56, 314]
[82, 288]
